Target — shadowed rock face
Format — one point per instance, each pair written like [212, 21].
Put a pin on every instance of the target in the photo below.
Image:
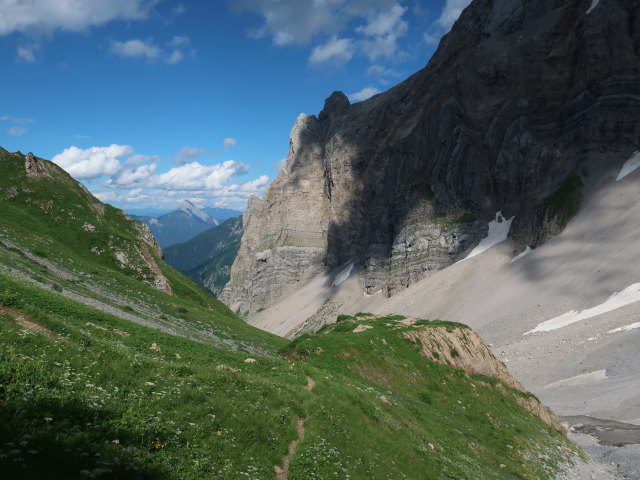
[518, 95]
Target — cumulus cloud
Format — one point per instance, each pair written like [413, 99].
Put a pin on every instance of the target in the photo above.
[27, 53]
[338, 50]
[450, 13]
[383, 31]
[195, 176]
[363, 94]
[380, 71]
[174, 51]
[179, 41]
[255, 185]
[92, 162]
[132, 196]
[229, 143]
[386, 22]
[138, 158]
[136, 48]
[188, 154]
[295, 22]
[47, 16]
[132, 176]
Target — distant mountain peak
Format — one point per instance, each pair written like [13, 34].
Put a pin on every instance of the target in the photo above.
[190, 208]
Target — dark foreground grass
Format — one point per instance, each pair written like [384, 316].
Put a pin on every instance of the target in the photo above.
[89, 398]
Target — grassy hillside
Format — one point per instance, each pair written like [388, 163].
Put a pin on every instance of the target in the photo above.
[54, 232]
[85, 393]
[108, 372]
[207, 258]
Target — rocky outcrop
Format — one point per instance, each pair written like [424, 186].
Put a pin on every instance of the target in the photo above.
[517, 97]
[463, 348]
[37, 167]
[41, 187]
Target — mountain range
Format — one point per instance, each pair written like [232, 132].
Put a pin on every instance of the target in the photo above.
[207, 258]
[184, 222]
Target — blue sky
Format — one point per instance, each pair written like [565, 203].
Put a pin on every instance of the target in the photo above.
[150, 101]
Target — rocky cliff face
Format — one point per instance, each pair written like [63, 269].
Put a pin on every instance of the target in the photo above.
[517, 97]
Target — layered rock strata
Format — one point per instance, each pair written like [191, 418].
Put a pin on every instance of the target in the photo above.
[516, 98]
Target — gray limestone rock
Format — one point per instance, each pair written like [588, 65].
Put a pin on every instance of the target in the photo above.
[517, 97]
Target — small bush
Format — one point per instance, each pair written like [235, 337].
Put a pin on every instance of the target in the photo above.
[425, 397]
[454, 353]
[342, 318]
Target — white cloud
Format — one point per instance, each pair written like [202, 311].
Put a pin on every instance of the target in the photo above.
[430, 39]
[294, 20]
[19, 121]
[17, 130]
[175, 57]
[380, 71]
[194, 176]
[451, 12]
[363, 94]
[382, 32]
[132, 196]
[138, 158]
[27, 53]
[187, 154]
[300, 22]
[385, 23]
[179, 41]
[92, 162]
[338, 50]
[136, 48]
[282, 38]
[131, 176]
[229, 143]
[47, 16]
[255, 185]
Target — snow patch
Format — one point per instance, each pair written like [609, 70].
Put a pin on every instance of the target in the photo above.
[343, 275]
[498, 232]
[629, 166]
[594, 4]
[626, 328]
[526, 251]
[629, 295]
[590, 377]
